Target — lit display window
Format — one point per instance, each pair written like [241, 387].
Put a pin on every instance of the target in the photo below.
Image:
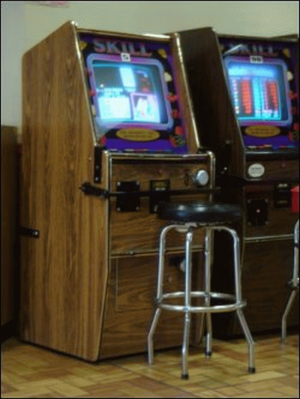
[259, 91]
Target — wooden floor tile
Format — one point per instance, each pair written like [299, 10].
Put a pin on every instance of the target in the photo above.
[292, 392]
[31, 371]
[67, 390]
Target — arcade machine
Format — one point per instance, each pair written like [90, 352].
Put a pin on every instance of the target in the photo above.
[245, 96]
[108, 133]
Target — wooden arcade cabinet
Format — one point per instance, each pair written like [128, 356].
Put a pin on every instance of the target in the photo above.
[9, 241]
[245, 93]
[108, 133]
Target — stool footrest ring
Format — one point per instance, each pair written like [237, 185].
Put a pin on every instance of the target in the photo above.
[201, 309]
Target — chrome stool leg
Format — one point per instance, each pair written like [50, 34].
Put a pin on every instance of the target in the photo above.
[207, 288]
[248, 338]
[187, 303]
[161, 265]
[150, 335]
[286, 312]
[238, 293]
[294, 282]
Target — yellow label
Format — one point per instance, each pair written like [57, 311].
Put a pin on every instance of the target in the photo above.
[138, 134]
[82, 45]
[262, 131]
[162, 52]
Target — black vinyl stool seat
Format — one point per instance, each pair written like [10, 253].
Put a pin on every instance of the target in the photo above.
[186, 217]
[199, 212]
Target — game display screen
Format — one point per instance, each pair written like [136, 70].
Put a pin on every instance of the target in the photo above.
[129, 94]
[259, 91]
[263, 87]
[133, 94]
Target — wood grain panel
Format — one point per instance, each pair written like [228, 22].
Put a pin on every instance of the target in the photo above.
[267, 269]
[9, 208]
[281, 221]
[139, 231]
[130, 304]
[132, 281]
[214, 114]
[62, 272]
[278, 170]
[178, 172]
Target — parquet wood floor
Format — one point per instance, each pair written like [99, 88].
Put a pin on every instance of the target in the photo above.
[30, 371]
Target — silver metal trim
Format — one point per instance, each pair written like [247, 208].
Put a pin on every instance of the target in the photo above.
[206, 309]
[153, 252]
[212, 157]
[269, 238]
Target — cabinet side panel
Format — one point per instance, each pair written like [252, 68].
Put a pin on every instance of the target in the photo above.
[63, 272]
[9, 188]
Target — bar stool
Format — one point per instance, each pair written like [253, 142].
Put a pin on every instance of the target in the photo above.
[294, 282]
[187, 218]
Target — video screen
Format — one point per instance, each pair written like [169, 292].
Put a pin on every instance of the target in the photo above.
[129, 93]
[259, 91]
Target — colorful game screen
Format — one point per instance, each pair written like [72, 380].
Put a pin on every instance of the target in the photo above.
[259, 91]
[129, 95]
[264, 97]
[134, 97]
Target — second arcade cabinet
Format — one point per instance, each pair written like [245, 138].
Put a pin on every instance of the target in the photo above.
[245, 97]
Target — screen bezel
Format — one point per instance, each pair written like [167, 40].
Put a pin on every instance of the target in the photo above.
[263, 61]
[107, 125]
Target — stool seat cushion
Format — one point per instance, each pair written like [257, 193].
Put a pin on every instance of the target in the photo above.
[199, 212]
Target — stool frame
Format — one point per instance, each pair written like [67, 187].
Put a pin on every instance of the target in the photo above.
[294, 282]
[236, 305]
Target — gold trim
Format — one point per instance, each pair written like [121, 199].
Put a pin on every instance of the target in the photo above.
[159, 157]
[84, 81]
[186, 87]
[154, 35]
[124, 35]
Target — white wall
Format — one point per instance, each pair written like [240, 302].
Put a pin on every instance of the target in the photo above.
[12, 48]
[30, 23]
[260, 18]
